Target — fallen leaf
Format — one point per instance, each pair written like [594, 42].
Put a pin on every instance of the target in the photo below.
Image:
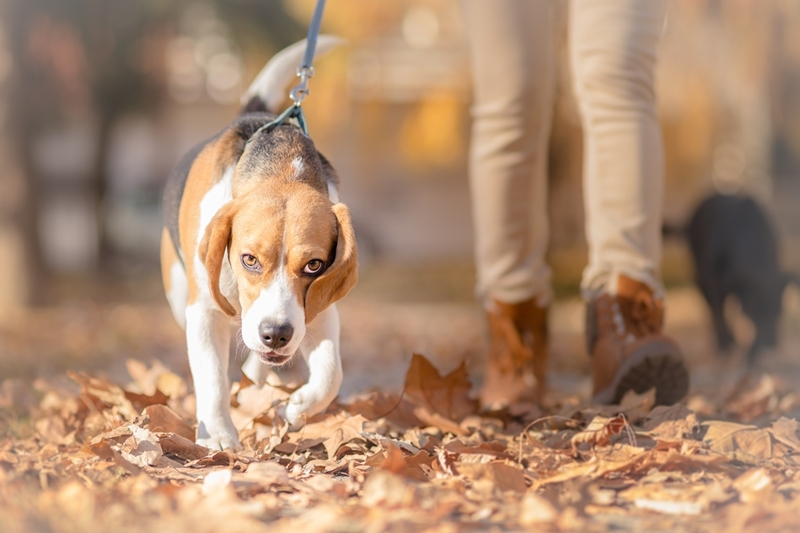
[598, 432]
[787, 431]
[179, 446]
[142, 448]
[335, 430]
[162, 419]
[748, 444]
[254, 402]
[447, 396]
[636, 406]
[671, 422]
[397, 462]
[499, 474]
[396, 409]
[267, 474]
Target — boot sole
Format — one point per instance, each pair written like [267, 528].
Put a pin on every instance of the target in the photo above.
[658, 365]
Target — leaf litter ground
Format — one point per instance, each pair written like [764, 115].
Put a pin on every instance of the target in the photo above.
[82, 453]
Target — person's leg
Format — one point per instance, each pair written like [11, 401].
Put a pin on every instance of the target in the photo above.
[613, 53]
[511, 44]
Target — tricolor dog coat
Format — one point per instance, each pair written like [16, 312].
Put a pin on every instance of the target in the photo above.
[254, 229]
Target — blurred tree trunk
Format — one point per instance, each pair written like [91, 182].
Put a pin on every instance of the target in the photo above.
[20, 258]
[98, 184]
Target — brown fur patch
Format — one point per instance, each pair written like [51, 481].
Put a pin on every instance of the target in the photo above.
[283, 224]
[280, 215]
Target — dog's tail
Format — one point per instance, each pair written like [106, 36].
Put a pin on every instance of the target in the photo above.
[267, 92]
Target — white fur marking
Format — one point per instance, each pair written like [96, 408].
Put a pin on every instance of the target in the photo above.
[207, 338]
[178, 294]
[277, 303]
[297, 164]
[216, 197]
[321, 351]
[333, 192]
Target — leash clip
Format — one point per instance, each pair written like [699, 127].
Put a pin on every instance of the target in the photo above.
[299, 93]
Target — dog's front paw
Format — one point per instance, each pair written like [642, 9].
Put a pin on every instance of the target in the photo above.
[305, 402]
[294, 411]
[218, 438]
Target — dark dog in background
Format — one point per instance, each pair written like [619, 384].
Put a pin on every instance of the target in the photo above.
[736, 253]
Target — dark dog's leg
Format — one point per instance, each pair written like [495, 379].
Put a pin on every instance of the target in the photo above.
[716, 302]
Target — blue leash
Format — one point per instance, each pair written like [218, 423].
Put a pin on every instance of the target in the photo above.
[304, 72]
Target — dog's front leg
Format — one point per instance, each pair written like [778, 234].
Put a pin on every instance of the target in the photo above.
[320, 348]
[207, 337]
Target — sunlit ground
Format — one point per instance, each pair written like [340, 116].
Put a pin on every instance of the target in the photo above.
[395, 311]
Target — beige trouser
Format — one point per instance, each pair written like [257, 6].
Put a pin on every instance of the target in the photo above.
[613, 54]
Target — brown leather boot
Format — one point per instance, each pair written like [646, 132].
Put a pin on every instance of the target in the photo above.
[628, 350]
[517, 363]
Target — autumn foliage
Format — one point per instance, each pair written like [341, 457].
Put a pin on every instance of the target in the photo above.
[81, 453]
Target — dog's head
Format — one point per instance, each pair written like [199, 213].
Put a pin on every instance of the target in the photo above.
[293, 253]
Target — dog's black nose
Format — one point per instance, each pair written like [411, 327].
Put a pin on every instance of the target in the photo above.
[275, 336]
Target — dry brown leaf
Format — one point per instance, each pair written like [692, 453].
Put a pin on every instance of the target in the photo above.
[179, 446]
[383, 474]
[267, 474]
[254, 402]
[162, 419]
[103, 449]
[141, 448]
[748, 444]
[787, 431]
[396, 462]
[396, 409]
[636, 406]
[598, 432]
[499, 474]
[140, 401]
[157, 377]
[447, 396]
[671, 422]
[335, 430]
[108, 394]
[429, 418]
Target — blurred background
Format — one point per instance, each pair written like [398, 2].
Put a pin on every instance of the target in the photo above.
[99, 99]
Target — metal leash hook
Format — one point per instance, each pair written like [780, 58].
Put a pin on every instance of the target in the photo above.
[299, 92]
[305, 72]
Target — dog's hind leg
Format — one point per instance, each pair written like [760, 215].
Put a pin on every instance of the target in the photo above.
[173, 275]
[716, 302]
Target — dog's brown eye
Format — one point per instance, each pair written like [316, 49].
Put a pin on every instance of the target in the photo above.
[313, 266]
[250, 261]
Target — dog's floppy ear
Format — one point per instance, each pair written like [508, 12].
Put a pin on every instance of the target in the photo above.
[212, 251]
[342, 275]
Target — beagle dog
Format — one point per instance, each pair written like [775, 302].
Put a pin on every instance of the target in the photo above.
[254, 231]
